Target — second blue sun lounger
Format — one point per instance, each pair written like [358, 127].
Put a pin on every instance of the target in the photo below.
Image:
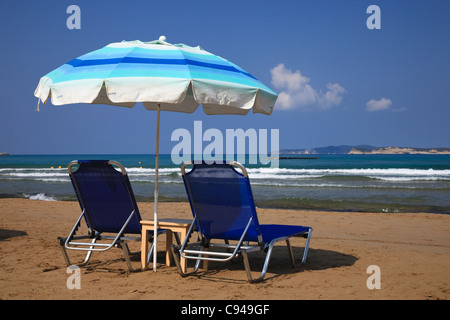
[222, 204]
[108, 208]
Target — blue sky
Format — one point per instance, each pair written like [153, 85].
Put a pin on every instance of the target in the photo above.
[339, 82]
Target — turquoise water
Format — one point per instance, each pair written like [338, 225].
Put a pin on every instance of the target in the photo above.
[374, 183]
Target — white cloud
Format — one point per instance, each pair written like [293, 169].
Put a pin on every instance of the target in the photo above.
[333, 96]
[378, 105]
[296, 92]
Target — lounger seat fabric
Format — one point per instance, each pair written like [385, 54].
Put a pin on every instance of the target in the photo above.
[107, 196]
[275, 231]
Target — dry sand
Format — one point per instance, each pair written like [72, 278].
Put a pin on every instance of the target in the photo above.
[412, 251]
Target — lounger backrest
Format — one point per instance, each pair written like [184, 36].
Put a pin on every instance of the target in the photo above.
[222, 201]
[106, 196]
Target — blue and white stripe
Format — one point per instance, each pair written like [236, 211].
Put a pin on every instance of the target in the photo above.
[177, 77]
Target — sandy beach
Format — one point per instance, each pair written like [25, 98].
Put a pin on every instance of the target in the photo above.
[412, 251]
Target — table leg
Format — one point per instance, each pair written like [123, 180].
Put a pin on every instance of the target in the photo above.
[169, 240]
[205, 262]
[144, 248]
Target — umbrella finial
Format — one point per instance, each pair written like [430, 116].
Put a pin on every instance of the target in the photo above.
[162, 38]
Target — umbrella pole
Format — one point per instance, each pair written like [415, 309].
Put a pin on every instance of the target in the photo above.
[155, 234]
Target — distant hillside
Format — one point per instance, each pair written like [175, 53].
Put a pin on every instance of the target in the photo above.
[401, 150]
[366, 149]
[343, 149]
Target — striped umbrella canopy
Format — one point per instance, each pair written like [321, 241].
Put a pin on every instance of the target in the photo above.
[175, 76]
[160, 75]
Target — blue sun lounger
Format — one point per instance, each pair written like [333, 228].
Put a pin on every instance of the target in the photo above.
[222, 204]
[108, 208]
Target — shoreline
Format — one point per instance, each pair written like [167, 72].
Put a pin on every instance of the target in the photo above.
[343, 246]
[262, 204]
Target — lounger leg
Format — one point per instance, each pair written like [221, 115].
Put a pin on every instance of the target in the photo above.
[247, 266]
[197, 262]
[197, 265]
[88, 255]
[64, 252]
[149, 255]
[291, 255]
[266, 262]
[66, 256]
[176, 258]
[305, 252]
[126, 253]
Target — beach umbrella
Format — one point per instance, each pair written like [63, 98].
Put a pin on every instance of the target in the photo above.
[164, 77]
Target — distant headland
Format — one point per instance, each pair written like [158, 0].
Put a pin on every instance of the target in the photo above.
[4, 154]
[366, 149]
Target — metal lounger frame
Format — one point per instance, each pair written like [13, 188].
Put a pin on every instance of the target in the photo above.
[242, 247]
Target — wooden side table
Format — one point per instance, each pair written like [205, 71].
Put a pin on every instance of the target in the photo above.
[171, 225]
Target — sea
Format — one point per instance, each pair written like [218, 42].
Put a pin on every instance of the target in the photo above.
[368, 183]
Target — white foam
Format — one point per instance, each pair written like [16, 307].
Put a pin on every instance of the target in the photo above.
[390, 174]
[39, 196]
